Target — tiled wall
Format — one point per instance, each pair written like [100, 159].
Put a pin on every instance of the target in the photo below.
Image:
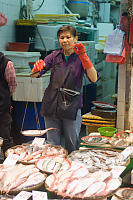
[11, 10]
[49, 6]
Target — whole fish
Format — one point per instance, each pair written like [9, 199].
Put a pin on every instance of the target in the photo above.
[112, 184]
[83, 184]
[94, 188]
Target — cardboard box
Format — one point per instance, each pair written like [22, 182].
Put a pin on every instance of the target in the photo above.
[30, 89]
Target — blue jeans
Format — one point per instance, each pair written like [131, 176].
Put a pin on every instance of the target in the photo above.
[69, 128]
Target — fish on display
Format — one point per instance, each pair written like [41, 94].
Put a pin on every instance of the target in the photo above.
[96, 159]
[67, 183]
[19, 177]
[29, 153]
[52, 164]
[123, 194]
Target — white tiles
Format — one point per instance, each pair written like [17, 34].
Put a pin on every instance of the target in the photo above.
[11, 10]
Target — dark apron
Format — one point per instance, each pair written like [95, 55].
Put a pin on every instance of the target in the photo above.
[62, 97]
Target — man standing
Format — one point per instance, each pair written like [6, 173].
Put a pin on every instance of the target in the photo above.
[7, 87]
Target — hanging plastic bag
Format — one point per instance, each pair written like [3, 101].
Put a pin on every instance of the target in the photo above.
[115, 42]
[118, 59]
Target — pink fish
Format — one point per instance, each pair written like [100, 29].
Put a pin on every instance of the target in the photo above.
[112, 184]
[83, 184]
[81, 172]
[94, 188]
[101, 175]
[72, 186]
[50, 180]
[101, 192]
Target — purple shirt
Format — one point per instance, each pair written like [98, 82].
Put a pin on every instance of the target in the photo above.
[57, 57]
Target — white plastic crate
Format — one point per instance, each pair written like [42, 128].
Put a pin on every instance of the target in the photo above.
[50, 43]
[30, 89]
[22, 58]
[48, 30]
[49, 36]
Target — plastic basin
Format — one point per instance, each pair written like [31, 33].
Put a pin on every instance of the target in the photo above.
[18, 46]
[107, 131]
[31, 64]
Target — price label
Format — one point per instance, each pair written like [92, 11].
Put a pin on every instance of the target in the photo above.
[127, 152]
[38, 195]
[11, 159]
[38, 141]
[117, 171]
[23, 195]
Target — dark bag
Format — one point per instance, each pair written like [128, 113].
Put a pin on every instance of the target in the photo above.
[68, 102]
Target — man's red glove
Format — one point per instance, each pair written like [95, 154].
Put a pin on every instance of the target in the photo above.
[80, 50]
[39, 65]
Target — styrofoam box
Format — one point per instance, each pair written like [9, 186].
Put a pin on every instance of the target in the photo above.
[50, 43]
[22, 58]
[49, 36]
[30, 89]
[48, 30]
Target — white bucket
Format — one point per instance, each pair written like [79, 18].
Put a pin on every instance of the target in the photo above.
[79, 7]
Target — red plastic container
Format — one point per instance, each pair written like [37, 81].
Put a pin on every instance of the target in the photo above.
[18, 46]
[31, 64]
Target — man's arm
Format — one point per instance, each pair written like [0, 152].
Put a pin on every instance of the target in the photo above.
[10, 76]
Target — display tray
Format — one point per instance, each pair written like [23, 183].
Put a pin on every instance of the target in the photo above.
[52, 164]
[120, 145]
[99, 158]
[95, 140]
[103, 105]
[80, 195]
[29, 153]
[123, 134]
[17, 178]
[123, 194]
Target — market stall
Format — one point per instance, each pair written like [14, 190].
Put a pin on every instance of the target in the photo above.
[88, 173]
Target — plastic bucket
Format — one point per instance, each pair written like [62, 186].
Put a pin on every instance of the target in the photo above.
[18, 46]
[31, 64]
[79, 7]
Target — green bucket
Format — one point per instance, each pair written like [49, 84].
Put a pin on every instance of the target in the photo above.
[107, 131]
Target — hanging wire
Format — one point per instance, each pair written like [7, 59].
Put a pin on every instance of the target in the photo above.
[37, 117]
[40, 5]
[36, 113]
[24, 116]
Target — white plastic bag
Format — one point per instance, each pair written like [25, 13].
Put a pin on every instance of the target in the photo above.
[115, 42]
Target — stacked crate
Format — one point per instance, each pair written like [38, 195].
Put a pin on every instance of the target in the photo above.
[93, 122]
